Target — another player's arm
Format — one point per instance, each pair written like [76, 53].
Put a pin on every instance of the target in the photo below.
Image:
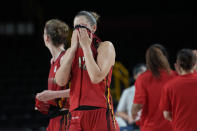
[165, 102]
[122, 106]
[63, 73]
[50, 95]
[124, 115]
[99, 69]
[135, 109]
[167, 115]
[139, 98]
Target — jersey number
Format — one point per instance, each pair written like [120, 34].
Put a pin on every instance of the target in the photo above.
[80, 63]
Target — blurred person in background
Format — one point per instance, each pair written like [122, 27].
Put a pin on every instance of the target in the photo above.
[179, 96]
[123, 112]
[195, 52]
[55, 35]
[148, 91]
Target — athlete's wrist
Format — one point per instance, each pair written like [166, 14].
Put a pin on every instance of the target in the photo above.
[63, 93]
[54, 95]
[73, 49]
[86, 49]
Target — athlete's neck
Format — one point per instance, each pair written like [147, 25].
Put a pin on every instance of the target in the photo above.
[183, 72]
[55, 51]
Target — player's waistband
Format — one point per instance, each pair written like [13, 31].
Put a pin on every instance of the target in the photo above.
[80, 108]
[54, 112]
[64, 109]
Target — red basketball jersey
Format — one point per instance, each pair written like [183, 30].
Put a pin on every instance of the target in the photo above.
[148, 93]
[179, 97]
[52, 85]
[83, 92]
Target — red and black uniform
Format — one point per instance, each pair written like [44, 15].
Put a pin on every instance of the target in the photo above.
[58, 118]
[148, 93]
[179, 97]
[91, 108]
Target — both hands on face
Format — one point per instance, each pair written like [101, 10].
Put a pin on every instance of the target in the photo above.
[82, 38]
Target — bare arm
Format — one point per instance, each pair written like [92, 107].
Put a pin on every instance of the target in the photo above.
[63, 73]
[167, 115]
[97, 70]
[125, 116]
[105, 60]
[135, 109]
[122, 115]
[50, 95]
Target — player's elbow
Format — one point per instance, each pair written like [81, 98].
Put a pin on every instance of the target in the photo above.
[60, 82]
[167, 115]
[95, 80]
[97, 77]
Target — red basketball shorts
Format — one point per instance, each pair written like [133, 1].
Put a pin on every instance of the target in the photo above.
[91, 120]
[57, 124]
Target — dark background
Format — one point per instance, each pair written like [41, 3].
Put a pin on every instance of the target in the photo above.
[131, 26]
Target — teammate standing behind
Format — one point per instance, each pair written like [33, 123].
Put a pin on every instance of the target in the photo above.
[195, 52]
[149, 86]
[55, 33]
[180, 94]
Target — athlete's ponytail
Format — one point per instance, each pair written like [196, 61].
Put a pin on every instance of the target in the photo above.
[156, 59]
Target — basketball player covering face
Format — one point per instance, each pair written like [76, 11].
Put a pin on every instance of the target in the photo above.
[88, 65]
[92, 109]
[55, 33]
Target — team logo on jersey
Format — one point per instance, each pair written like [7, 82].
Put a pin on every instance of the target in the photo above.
[55, 68]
